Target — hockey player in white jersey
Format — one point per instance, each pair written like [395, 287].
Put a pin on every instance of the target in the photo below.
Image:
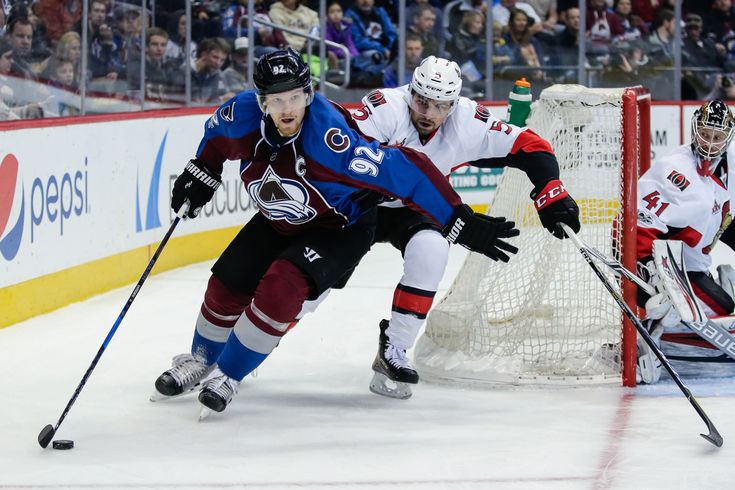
[686, 196]
[430, 116]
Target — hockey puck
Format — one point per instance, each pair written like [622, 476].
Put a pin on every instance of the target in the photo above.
[63, 444]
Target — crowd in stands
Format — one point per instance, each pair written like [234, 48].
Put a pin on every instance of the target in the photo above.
[627, 41]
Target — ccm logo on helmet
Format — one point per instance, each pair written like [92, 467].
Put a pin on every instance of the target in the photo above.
[336, 141]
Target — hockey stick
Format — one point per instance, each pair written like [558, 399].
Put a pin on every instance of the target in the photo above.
[714, 436]
[679, 288]
[47, 433]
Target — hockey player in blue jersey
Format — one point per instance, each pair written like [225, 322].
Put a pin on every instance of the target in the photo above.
[312, 177]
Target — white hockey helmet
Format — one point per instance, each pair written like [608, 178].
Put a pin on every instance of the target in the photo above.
[437, 79]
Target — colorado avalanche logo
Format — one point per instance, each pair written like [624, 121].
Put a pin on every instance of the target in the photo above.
[376, 98]
[281, 199]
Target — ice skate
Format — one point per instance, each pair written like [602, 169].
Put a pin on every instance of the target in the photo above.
[185, 375]
[217, 392]
[393, 371]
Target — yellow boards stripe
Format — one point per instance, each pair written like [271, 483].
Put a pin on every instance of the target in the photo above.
[46, 293]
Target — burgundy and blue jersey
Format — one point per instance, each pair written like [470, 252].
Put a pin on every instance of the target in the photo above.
[310, 180]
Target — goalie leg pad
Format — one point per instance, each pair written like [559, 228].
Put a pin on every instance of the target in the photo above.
[649, 366]
[726, 279]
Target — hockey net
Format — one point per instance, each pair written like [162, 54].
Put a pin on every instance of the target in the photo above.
[545, 318]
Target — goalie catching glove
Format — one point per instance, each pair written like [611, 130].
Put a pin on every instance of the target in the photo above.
[481, 233]
[554, 205]
[196, 185]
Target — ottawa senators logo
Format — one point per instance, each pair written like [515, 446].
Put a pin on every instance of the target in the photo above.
[376, 98]
[678, 180]
[482, 113]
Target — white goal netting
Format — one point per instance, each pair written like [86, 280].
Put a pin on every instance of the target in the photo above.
[543, 318]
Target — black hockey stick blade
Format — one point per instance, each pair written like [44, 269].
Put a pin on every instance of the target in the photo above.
[46, 434]
[713, 436]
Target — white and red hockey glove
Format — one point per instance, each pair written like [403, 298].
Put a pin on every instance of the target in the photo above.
[481, 233]
[554, 205]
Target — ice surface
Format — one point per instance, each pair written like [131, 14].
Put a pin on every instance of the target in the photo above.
[308, 420]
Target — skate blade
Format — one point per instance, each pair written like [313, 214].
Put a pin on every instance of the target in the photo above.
[384, 386]
[204, 412]
[157, 397]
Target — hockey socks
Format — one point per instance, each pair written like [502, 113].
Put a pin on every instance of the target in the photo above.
[278, 299]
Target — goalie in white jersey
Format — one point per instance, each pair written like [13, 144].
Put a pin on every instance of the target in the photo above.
[429, 115]
[686, 196]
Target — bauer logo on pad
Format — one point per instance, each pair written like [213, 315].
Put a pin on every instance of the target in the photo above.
[678, 180]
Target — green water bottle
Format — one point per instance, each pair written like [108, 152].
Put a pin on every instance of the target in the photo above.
[519, 103]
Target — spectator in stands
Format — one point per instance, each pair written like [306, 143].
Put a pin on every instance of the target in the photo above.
[438, 14]
[646, 9]
[69, 48]
[159, 76]
[502, 14]
[457, 9]
[546, 11]
[661, 39]
[207, 21]
[10, 109]
[176, 30]
[423, 26]
[129, 25]
[414, 55]
[724, 88]
[339, 31]
[603, 26]
[268, 39]
[59, 72]
[526, 49]
[633, 26]
[105, 63]
[39, 43]
[293, 15]
[236, 75]
[207, 81]
[700, 52]
[720, 22]
[372, 30]
[623, 64]
[20, 35]
[234, 21]
[59, 16]
[467, 45]
[566, 47]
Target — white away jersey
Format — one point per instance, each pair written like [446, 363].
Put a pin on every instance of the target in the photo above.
[469, 133]
[675, 202]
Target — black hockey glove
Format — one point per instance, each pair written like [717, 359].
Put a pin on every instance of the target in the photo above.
[481, 233]
[196, 185]
[555, 205]
[367, 198]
